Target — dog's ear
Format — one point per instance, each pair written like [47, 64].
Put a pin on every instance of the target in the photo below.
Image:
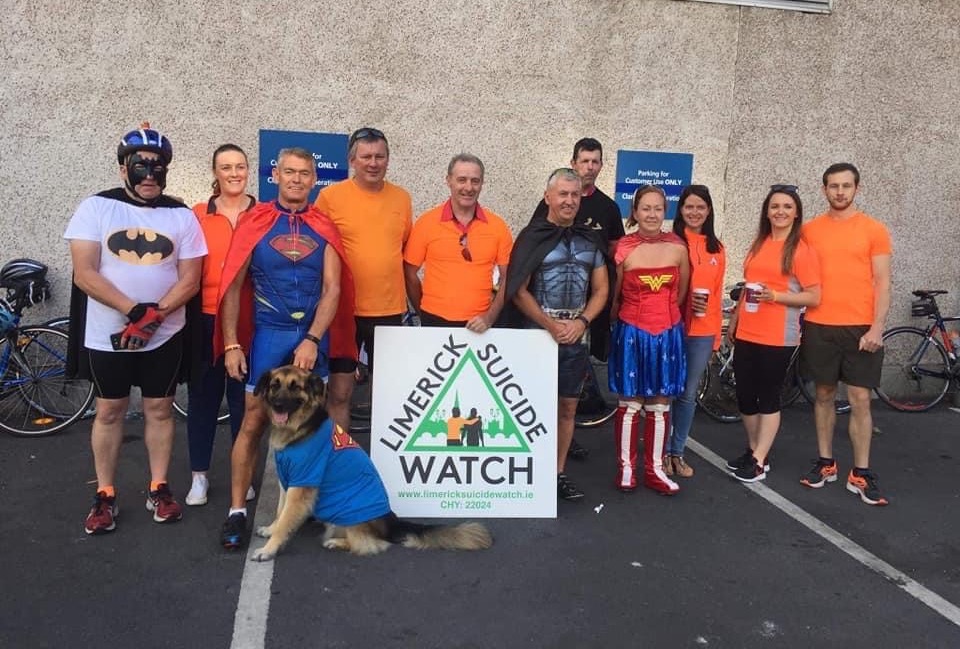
[317, 387]
[263, 384]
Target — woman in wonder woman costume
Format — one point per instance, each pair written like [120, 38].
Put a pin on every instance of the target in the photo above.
[647, 363]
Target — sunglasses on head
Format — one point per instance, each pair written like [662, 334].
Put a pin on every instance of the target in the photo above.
[464, 251]
[790, 189]
[366, 134]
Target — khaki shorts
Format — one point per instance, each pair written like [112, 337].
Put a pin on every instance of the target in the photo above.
[831, 353]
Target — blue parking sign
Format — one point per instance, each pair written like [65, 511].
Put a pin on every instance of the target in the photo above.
[669, 171]
[329, 151]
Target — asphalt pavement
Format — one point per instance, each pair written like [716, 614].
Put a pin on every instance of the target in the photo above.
[718, 565]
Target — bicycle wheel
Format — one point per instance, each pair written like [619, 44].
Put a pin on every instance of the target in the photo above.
[916, 370]
[181, 403]
[792, 389]
[717, 393]
[808, 390]
[63, 322]
[597, 405]
[36, 397]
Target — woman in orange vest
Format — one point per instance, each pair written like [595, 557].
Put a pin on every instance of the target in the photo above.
[702, 316]
[218, 218]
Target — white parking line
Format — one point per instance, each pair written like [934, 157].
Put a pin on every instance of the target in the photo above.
[857, 552]
[253, 604]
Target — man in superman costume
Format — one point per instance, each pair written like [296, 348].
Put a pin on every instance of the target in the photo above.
[286, 295]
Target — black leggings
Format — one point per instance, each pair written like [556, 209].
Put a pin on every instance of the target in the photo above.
[760, 371]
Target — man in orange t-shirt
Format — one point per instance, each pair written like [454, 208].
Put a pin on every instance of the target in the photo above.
[843, 335]
[374, 218]
[458, 243]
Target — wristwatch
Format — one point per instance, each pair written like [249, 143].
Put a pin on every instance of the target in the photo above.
[582, 318]
[312, 339]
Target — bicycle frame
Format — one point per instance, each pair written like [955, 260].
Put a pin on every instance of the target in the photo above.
[930, 338]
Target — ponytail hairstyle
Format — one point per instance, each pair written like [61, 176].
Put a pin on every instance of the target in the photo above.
[645, 189]
[223, 148]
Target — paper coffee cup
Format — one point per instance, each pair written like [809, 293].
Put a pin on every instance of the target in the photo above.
[704, 295]
[751, 297]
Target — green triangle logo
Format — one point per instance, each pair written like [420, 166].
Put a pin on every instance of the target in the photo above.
[487, 425]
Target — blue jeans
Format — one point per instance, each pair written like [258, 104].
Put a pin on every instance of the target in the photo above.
[204, 405]
[699, 350]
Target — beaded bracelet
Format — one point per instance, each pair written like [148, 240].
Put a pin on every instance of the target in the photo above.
[230, 348]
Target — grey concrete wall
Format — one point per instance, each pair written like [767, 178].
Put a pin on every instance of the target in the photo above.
[758, 96]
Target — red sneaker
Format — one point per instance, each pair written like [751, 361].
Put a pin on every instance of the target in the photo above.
[103, 514]
[165, 509]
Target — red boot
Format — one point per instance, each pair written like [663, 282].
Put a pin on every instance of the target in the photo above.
[655, 428]
[626, 431]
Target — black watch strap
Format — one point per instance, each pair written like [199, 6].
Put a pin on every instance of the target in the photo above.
[312, 339]
[582, 318]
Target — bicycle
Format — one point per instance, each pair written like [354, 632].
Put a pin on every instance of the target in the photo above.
[717, 393]
[36, 397]
[918, 364]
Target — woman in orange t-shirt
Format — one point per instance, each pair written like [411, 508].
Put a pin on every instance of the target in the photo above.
[702, 315]
[218, 218]
[783, 276]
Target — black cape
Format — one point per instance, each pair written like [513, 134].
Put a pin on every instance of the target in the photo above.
[531, 246]
[78, 365]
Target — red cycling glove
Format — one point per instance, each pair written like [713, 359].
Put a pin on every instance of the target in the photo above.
[144, 322]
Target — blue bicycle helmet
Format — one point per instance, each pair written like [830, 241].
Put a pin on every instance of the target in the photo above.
[7, 319]
[145, 139]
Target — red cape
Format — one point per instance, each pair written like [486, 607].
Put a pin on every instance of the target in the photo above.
[251, 228]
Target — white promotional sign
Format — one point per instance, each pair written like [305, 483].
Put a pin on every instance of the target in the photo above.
[464, 425]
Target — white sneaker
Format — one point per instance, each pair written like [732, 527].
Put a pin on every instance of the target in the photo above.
[198, 491]
[251, 493]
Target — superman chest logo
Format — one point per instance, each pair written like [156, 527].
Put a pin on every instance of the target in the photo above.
[294, 247]
[342, 439]
[655, 282]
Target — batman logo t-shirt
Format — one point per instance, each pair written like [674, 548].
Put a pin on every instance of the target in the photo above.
[140, 247]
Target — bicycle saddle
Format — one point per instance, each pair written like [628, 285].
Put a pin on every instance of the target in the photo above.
[929, 293]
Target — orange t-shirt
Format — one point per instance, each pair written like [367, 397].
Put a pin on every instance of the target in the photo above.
[374, 226]
[706, 271]
[454, 288]
[218, 232]
[774, 323]
[846, 248]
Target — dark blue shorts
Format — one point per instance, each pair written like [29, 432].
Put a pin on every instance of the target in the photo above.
[272, 348]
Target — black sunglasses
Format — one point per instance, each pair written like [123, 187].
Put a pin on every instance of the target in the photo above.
[366, 133]
[790, 189]
[464, 251]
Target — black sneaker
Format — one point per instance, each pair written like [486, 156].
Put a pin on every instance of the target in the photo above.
[822, 472]
[745, 459]
[740, 461]
[576, 451]
[233, 531]
[566, 489]
[750, 472]
[865, 484]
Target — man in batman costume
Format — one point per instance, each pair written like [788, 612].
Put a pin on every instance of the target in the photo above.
[137, 257]
[557, 280]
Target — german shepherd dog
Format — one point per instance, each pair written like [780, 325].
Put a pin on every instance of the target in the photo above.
[295, 400]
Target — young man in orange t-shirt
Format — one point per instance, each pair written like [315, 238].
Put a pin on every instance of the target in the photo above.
[374, 218]
[843, 335]
[458, 243]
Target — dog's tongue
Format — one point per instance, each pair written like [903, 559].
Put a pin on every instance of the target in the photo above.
[280, 418]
